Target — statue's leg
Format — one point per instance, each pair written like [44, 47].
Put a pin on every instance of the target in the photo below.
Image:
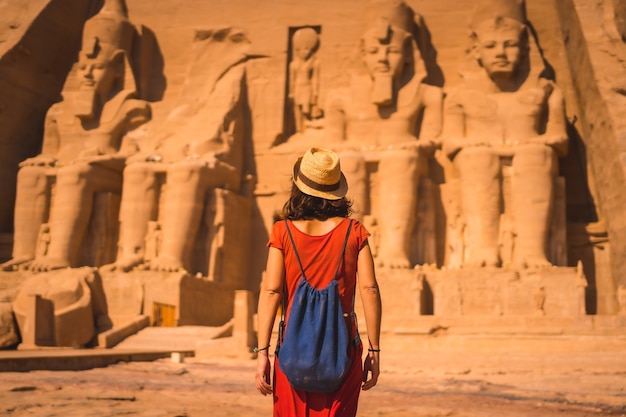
[534, 167]
[398, 173]
[71, 211]
[353, 167]
[298, 118]
[183, 206]
[139, 206]
[479, 170]
[31, 209]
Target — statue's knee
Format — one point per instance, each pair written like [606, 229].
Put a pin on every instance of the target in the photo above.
[476, 153]
[137, 173]
[73, 174]
[399, 160]
[535, 157]
[184, 172]
[352, 162]
[31, 177]
[477, 160]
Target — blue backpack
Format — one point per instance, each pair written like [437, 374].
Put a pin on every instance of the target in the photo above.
[313, 347]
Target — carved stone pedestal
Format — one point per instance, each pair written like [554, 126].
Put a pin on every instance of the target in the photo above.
[553, 292]
[402, 298]
[496, 302]
[168, 298]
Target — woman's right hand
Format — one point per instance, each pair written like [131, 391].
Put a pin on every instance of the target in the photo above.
[263, 374]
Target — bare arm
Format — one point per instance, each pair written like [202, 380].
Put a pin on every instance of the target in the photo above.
[372, 307]
[269, 300]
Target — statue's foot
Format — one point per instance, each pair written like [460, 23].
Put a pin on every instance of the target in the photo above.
[393, 261]
[166, 264]
[124, 264]
[532, 261]
[48, 264]
[483, 258]
[16, 263]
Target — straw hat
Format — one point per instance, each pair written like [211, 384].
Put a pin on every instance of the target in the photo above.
[318, 173]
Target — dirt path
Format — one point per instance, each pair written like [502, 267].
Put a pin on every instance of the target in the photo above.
[422, 385]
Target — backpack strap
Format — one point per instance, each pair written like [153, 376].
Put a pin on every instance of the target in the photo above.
[343, 251]
[293, 245]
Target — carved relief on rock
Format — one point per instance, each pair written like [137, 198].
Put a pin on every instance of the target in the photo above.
[304, 78]
[504, 129]
[377, 120]
[83, 147]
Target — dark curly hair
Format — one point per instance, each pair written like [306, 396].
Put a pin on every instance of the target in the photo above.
[302, 206]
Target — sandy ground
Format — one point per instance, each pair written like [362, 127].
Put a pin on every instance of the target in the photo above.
[416, 385]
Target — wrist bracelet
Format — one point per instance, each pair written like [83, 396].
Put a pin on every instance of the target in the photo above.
[374, 350]
[257, 350]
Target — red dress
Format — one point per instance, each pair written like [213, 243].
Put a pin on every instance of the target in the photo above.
[320, 256]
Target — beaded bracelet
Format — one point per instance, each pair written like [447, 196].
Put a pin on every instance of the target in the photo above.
[257, 350]
[374, 350]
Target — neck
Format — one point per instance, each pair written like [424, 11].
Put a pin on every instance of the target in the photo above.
[505, 84]
[502, 83]
[317, 227]
[382, 90]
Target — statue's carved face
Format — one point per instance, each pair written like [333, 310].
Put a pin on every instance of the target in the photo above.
[386, 56]
[99, 68]
[499, 48]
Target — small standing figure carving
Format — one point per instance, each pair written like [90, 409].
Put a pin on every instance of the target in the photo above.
[540, 300]
[621, 299]
[304, 75]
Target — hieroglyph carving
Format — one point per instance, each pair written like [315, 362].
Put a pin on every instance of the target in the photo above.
[505, 115]
[82, 151]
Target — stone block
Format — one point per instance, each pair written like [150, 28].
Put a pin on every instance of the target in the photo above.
[555, 291]
[9, 334]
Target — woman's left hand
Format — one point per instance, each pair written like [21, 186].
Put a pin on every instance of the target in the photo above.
[371, 370]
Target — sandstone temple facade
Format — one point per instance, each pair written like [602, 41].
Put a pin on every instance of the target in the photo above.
[147, 148]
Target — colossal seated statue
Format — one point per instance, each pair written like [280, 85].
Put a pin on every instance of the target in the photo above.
[198, 149]
[375, 120]
[81, 146]
[505, 115]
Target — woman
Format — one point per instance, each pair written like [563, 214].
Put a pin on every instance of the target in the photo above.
[317, 216]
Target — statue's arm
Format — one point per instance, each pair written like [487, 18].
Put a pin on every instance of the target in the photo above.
[292, 79]
[133, 113]
[137, 112]
[51, 141]
[432, 119]
[453, 130]
[315, 81]
[335, 117]
[556, 126]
